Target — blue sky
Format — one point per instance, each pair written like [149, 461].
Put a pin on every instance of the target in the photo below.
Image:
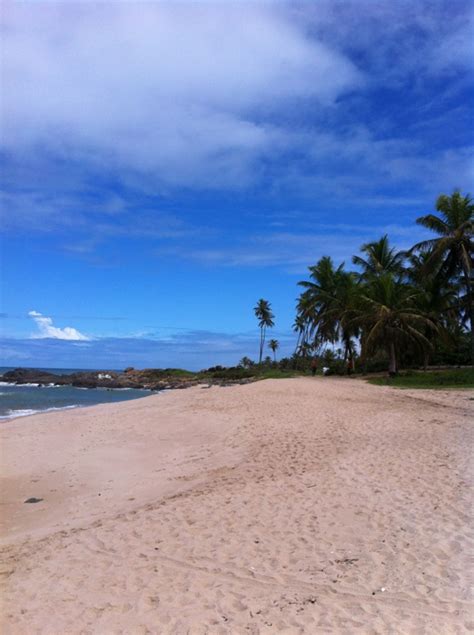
[165, 165]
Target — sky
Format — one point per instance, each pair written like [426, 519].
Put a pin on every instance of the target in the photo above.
[166, 164]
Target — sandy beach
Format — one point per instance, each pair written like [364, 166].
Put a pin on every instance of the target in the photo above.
[284, 506]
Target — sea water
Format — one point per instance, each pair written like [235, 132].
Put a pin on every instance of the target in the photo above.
[27, 399]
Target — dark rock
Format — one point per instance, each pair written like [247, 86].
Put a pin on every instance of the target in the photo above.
[33, 500]
[31, 376]
[149, 379]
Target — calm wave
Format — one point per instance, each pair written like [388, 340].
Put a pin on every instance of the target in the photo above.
[20, 401]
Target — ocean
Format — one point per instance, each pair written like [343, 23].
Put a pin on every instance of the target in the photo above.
[28, 399]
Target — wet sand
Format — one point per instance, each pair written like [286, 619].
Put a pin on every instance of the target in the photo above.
[285, 506]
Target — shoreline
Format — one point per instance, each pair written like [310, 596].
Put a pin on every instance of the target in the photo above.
[285, 502]
[14, 413]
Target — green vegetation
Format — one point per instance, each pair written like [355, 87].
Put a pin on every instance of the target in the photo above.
[398, 310]
[453, 378]
[403, 308]
[233, 373]
[277, 373]
[156, 374]
[451, 253]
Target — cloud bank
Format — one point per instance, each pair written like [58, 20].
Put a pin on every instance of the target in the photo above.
[187, 93]
[167, 97]
[48, 330]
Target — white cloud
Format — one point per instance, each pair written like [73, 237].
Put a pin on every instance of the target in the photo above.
[47, 329]
[184, 93]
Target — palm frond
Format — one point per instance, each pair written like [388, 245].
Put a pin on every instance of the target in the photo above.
[432, 222]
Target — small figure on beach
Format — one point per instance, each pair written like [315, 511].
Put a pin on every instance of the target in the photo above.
[314, 366]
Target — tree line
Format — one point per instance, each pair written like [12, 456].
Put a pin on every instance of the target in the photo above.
[397, 305]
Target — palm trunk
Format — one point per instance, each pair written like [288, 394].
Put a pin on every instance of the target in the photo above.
[470, 309]
[426, 360]
[471, 317]
[261, 345]
[350, 360]
[298, 342]
[363, 357]
[392, 365]
[347, 349]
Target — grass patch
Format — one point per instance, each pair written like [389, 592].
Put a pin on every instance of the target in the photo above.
[158, 374]
[276, 373]
[441, 379]
[236, 373]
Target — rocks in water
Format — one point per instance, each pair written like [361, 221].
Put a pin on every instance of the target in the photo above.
[150, 378]
[33, 500]
[33, 376]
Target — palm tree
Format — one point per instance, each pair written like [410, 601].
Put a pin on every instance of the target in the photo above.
[451, 253]
[274, 345]
[317, 299]
[265, 317]
[299, 326]
[389, 318]
[380, 258]
[437, 298]
[246, 362]
[329, 297]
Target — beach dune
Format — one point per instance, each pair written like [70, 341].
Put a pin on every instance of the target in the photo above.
[304, 505]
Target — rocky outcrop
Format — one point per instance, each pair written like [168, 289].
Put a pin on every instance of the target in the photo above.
[150, 379]
[33, 376]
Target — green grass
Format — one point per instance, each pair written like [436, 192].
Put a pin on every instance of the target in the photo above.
[276, 373]
[440, 379]
[157, 374]
[178, 372]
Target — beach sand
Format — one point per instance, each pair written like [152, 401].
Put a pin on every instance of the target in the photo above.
[305, 505]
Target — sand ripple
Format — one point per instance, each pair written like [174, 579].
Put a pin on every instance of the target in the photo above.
[306, 506]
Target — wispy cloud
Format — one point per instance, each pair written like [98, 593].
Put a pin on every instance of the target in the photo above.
[427, 37]
[294, 252]
[48, 330]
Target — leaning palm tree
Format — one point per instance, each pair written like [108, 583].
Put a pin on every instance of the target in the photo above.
[379, 258]
[299, 327]
[274, 345]
[264, 315]
[389, 317]
[452, 252]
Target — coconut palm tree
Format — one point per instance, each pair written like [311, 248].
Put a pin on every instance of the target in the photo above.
[274, 345]
[452, 252]
[329, 297]
[389, 317]
[264, 315]
[299, 327]
[246, 362]
[303, 326]
[437, 299]
[379, 258]
[318, 298]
